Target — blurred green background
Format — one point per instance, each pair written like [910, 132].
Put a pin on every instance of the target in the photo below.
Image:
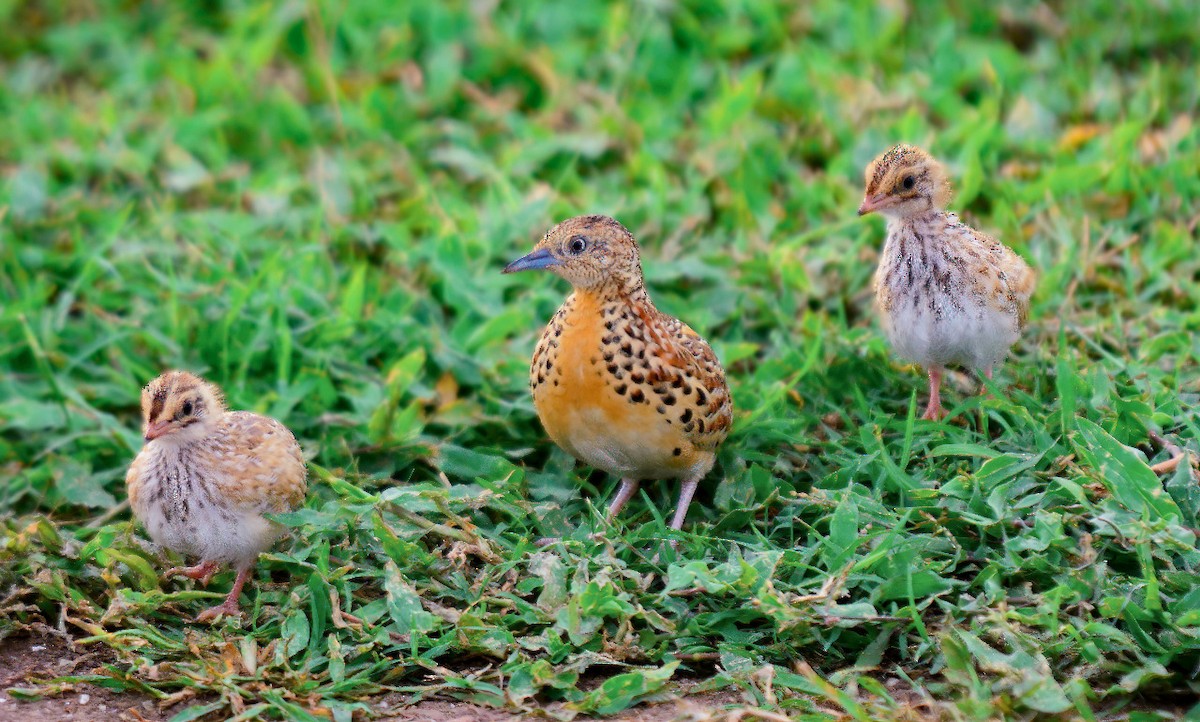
[310, 202]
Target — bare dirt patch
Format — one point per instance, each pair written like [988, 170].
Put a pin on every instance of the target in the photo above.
[703, 706]
[26, 658]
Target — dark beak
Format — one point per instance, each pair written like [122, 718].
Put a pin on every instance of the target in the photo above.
[156, 429]
[541, 258]
[871, 204]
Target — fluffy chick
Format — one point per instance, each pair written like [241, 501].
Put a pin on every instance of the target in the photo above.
[206, 476]
[947, 294]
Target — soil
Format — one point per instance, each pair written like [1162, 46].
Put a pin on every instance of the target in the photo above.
[48, 657]
[698, 707]
[23, 659]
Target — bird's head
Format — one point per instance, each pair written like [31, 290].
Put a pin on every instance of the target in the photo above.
[903, 182]
[179, 406]
[588, 251]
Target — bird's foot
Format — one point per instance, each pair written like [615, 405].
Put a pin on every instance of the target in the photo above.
[202, 572]
[934, 412]
[672, 544]
[226, 608]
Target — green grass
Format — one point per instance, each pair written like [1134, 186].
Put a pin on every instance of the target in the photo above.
[311, 205]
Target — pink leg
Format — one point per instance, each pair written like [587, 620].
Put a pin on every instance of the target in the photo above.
[230, 605]
[686, 492]
[934, 410]
[628, 488]
[202, 572]
[988, 375]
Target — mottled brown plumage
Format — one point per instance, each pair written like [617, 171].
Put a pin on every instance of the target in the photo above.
[617, 383]
[206, 476]
[947, 294]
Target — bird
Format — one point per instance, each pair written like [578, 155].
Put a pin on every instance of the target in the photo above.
[947, 293]
[616, 383]
[206, 476]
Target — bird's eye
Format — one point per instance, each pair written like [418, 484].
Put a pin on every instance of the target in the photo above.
[908, 182]
[187, 408]
[577, 245]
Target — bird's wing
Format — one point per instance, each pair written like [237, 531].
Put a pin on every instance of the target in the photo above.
[1002, 274]
[261, 468]
[680, 360]
[1015, 280]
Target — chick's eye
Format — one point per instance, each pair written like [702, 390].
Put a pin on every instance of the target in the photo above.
[577, 245]
[187, 408]
[908, 182]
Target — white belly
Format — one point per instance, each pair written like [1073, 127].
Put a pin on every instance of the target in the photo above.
[935, 332]
[181, 516]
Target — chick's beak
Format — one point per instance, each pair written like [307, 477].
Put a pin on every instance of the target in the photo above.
[871, 204]
[541, 258]
[156, 429]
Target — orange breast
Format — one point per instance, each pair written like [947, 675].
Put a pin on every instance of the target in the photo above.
[577, 402]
